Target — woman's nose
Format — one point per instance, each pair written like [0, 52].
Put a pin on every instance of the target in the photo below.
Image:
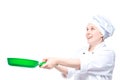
[88, 31]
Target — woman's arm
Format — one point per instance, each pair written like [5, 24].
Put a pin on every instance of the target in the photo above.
[53, 61]
[73, 63]
[63, 70]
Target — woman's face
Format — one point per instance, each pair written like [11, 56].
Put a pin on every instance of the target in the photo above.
[93, 34]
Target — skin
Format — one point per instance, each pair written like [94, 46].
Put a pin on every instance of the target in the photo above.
[94, 37]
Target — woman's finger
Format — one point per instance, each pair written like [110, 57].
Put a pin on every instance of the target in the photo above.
[44, 60]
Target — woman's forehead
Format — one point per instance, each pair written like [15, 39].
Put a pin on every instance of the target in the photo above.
[90, 25]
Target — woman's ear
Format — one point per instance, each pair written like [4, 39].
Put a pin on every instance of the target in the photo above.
[102, 36]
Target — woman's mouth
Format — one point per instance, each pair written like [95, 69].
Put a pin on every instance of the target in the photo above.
[89, 36]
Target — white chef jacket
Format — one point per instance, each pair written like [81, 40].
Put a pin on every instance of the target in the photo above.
[96, 65]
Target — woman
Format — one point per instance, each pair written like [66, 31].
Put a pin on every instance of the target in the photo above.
[94, 63]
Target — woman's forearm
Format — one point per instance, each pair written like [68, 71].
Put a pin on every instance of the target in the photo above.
[73, 63]
[62, 69]
[53, 61]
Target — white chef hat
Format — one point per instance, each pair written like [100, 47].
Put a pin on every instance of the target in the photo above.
[104, 25]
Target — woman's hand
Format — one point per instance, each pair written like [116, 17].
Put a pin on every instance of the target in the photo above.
[50, 63]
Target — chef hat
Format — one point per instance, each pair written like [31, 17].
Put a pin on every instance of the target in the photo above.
[104, 25]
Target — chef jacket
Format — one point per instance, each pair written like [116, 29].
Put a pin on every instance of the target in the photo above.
[96, 65]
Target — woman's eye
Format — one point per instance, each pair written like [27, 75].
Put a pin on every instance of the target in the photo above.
[87, 29]
[92, 28]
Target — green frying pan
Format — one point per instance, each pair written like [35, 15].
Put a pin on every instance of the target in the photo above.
[20, 62]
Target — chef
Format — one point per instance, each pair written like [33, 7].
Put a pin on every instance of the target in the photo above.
[96, 62]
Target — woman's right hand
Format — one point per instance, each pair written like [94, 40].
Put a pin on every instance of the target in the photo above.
[51, 62]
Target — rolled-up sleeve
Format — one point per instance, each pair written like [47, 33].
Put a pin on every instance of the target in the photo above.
[84, 64]
[70, 73]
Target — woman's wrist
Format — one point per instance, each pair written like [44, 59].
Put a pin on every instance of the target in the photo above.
[57, 62]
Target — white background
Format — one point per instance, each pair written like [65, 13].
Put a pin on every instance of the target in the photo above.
[35, 29]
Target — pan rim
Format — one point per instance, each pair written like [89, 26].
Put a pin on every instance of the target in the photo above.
[22, 62]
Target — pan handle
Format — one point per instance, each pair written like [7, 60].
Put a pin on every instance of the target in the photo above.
[41, 64]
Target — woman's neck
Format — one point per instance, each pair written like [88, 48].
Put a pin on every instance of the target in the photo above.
[92, 46]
